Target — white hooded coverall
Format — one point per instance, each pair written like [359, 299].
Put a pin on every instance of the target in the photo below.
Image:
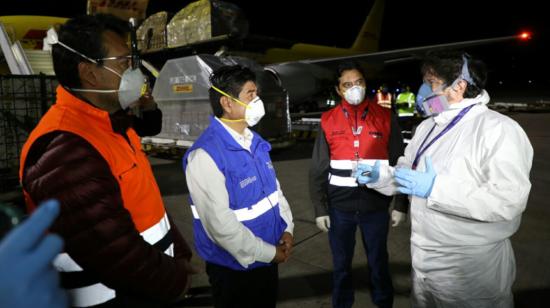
[460, 247]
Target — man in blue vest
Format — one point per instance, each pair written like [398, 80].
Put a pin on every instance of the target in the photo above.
[242, 221]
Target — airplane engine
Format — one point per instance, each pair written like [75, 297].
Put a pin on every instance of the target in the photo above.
[302, 80]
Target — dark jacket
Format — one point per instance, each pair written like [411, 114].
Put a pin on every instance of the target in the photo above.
[97, 229]
[149, 124]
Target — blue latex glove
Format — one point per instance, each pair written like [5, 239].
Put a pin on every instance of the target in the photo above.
[414, 182]
[27, 277]
[368, 174]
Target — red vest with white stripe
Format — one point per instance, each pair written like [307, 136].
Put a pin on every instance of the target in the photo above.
[354, 134]
[130, 167]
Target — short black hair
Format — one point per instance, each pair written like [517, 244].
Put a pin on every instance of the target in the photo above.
[85, 35]
[230, 79]
[447, 65]
[347, 66]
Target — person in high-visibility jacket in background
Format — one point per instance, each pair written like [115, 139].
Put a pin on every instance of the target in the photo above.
[405, 103]
[384, 97]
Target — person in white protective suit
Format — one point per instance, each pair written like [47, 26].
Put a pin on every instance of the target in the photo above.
[466, 172]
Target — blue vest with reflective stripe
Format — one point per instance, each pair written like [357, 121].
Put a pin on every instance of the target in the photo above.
[251, 183]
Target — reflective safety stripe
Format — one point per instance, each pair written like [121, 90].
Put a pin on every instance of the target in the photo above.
[405, 114]
[91, 295]
[170, 250]
[342, 181]
[158, 231]
[347, 181]
[259, 208]
[64, 263]
[98, 293]
[195, 213]
[347, 164]
[252, 212]
[85, 296]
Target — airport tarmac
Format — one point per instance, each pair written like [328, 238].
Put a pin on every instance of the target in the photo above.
[305, 280]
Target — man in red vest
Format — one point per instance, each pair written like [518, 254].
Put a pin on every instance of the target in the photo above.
[357, 130]
[121, 248]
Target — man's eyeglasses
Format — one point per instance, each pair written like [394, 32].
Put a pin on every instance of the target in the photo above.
[120, 59]
[127, 57]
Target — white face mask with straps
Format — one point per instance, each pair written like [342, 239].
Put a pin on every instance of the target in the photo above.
[355, 95]
[132, 81]
[254, 111]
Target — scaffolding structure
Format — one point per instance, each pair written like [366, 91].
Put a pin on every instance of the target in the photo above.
[23, 101]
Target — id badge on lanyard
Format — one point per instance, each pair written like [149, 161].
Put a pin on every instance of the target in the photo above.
[356, 130]
[355, 161]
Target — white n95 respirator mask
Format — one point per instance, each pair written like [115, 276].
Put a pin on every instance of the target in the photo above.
[133, 83]
[132, 86]
[355, 95]
[254, 112]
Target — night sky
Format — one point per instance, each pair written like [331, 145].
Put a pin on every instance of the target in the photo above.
[406, 24]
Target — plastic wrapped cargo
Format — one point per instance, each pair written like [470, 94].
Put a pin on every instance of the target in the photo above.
[151, 34]
[181, 91]
[203, 20]
[122, 9]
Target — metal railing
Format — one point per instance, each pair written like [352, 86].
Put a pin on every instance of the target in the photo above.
[23, 101]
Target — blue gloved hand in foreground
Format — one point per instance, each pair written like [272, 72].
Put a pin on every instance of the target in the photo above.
[27, 277]
[412, 182]
[368, 174]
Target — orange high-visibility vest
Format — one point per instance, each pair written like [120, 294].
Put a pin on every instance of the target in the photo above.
[129, 165]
